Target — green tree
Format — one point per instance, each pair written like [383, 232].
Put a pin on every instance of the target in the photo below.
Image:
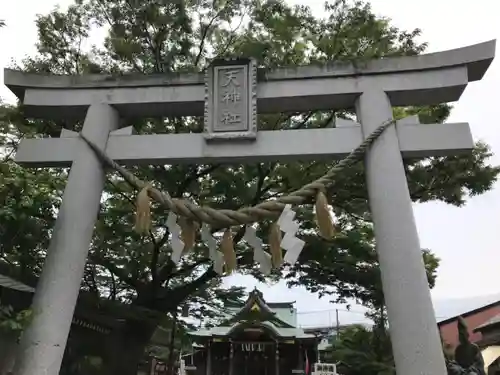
[13, 322]
[359, 351]
[153, 37]
[29, 199]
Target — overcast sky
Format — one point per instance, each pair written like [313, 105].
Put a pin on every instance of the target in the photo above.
[464, 238]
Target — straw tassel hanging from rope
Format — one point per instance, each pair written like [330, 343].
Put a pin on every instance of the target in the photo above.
[188, 233]
[228, 252]
[275, 245]
[323, 217]
[143, 211]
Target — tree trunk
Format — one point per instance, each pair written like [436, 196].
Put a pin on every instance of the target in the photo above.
[127, 353]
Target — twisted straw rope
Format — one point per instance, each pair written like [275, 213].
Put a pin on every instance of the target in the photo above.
[266, 210]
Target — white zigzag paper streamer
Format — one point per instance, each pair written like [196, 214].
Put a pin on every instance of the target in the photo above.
[177, 243]
[213, 253]
[259, 255]
[289, 242]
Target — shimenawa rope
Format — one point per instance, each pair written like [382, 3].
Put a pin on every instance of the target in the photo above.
[270, 209]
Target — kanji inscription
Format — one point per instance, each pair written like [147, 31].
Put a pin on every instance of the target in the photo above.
[230, 100]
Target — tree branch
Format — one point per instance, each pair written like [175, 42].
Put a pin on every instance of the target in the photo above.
[232, 36]
[204, 36]
[111, 25]
[169, 299]
[194, 176]
[121, 193]
[304, 121]
[120, 273]
[167, 268]
[93, 274]
[166, 271]
[113, 293]
[336, 39]
[147, 36]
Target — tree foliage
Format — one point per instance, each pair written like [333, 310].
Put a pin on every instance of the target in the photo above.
[151, 37]
[361, 351]
[13, 322]
[29, 199]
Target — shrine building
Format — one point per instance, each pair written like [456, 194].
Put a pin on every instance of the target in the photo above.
[258, 338]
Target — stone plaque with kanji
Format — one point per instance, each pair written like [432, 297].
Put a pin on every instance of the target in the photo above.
[230, 100]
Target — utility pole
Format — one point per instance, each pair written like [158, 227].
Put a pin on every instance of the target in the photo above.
[337, 320]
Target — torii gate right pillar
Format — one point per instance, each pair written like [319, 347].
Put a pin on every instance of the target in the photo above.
[414, 334]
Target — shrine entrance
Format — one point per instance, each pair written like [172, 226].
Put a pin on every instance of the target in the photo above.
[248, 358]
[254, 355]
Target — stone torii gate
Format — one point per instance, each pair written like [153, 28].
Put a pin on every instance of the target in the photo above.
[372, 89]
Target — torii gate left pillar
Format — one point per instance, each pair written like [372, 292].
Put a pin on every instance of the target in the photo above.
[419, 80]
[44, 341]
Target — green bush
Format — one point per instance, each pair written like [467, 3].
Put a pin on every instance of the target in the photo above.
[13, 322]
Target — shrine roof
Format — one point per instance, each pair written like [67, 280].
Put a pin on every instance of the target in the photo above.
[293, 332]
[489, 324]
[279, 317]
[256, 308]
[287, 315]
[10, 283]
[280, 305]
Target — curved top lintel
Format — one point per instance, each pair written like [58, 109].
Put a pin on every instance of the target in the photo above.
[476, 57]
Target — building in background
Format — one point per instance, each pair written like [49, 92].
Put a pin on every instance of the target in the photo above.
[484, 330]
[96, 328]
[91, 331]
[326, 336]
